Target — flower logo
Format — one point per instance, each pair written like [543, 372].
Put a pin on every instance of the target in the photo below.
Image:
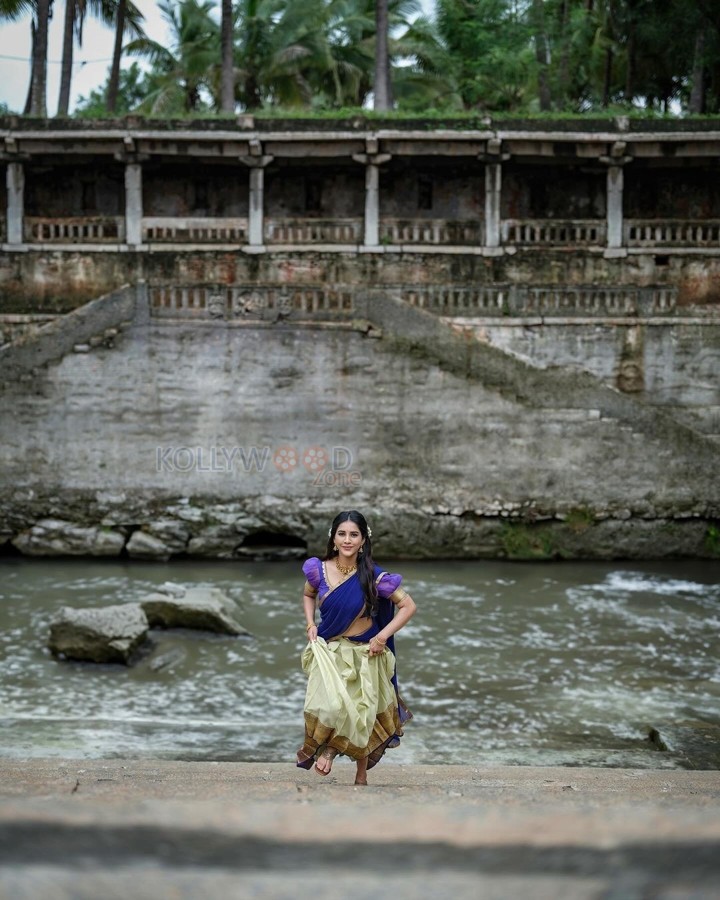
[315, 459]
[286, 459]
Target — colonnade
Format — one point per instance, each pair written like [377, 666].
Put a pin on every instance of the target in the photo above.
[257, 163]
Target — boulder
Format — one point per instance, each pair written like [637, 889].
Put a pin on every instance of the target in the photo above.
[215, 541]
[110, 634]
[697, 742]
[56, 537]
[173, 533]
[207, 609]
[144, 546]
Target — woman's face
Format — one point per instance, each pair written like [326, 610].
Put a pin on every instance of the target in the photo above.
[348, 539]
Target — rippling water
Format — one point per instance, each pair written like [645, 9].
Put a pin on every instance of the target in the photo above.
[507, 662]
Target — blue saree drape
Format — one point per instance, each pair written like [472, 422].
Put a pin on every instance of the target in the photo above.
[352, 701]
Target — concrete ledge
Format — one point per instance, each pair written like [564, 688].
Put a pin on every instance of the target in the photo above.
[189, 829]
[57, 338]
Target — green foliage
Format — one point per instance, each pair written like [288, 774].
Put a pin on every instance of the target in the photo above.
[506, 57]
[580, 519]
[712, 540]
[489, 52]
[583, 55]
[521, 541]
[183, 74]
[134, 88]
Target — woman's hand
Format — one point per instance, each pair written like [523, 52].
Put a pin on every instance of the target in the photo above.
[376, 646]
[312, 633]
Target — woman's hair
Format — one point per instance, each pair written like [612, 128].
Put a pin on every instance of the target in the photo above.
[365, 564]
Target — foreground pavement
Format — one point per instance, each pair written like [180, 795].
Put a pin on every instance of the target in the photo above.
[157, 829]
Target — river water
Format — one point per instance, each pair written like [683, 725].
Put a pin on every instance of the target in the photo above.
[566, 663]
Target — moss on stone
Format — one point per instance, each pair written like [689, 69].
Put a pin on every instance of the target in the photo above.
[581, 518]
[521, 541]
[712, 540]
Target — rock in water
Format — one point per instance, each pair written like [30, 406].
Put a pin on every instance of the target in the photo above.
[110, 634]
[207, 609]
[146, 546]
[56, 537]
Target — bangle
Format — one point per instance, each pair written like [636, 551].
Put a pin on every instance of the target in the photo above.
[376, 638]
[308, 627]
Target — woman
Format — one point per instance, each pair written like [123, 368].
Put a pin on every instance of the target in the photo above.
[352, 705]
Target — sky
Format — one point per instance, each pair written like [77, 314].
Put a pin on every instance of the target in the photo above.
[91, 61]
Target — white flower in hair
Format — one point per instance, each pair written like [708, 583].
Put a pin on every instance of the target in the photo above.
[369, 531]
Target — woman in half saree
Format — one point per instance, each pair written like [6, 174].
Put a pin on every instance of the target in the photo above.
[352, 704]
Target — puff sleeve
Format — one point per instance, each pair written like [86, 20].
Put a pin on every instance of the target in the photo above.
[388, 586]
[311, 569]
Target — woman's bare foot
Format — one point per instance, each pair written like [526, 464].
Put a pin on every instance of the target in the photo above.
[361, 774]
[323, 764]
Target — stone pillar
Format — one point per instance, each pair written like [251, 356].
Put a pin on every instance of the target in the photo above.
[15, 202]
[256, 217]
[372, 206]
[614, 207]
[493, 157]
[615, 163]
[256, 161]
[372, 160]
[493, 186]
[133, 204]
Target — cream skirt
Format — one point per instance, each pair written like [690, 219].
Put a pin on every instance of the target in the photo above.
[351, 703]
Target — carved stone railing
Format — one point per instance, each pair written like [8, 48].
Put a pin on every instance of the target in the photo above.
[248, 302]
[460, 301]
[17, 325]
[313, 231]
[553, 232]
[597, 300]
[431, 231]
[195, 230]
[74, 229]
[236, 303]
[671, 233]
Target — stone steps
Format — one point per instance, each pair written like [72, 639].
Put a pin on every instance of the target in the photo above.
[159, 828]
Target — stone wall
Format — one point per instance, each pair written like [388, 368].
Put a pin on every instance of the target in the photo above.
[674, 365]
[59, 280]
[209, 439]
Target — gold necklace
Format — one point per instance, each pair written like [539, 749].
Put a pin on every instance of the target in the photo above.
[345, 570]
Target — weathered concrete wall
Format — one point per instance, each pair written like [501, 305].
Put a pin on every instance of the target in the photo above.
[553, 192]
[89, 187]
[204, 436]
[438, 189]
[302, 190]
[682, 191]
[57, 280]
[213, 190]
[675, 366]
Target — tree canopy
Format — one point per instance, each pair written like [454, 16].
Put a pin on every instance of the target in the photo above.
[494, 56]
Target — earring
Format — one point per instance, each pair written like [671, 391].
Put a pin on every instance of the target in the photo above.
[360, 551]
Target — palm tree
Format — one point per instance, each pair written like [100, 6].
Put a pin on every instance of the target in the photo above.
[40, 10]
[74, 16]
[382, 85]
[227, 92]
[114, 80]
[121, 13]
[38, 103]
[351, 37]
[185, 69]
[281, 49]
[128, 21]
